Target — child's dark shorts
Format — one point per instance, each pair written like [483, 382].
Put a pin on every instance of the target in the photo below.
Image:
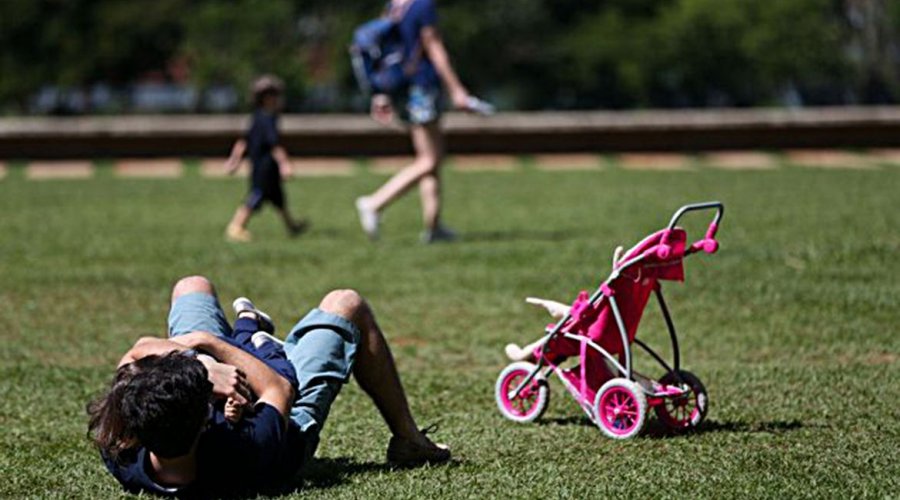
[262, 192]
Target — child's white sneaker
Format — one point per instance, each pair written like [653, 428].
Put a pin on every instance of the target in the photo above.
[244, 305]
[261, 338]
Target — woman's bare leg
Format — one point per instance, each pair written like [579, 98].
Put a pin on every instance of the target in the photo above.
[428, 143]
[430, 192]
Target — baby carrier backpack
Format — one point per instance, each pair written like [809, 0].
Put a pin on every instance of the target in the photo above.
[378, 57]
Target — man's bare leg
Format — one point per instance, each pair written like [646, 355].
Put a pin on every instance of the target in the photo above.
[192, 284]
[376, 372]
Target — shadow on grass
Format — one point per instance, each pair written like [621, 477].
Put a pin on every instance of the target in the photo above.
[656, 430]
[329, 472]
[572, 420]
[517, 235]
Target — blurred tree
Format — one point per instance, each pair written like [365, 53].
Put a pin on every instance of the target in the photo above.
[74, 43]
[525, 54]
[873, 48]
[21, 26]
[793, 44]
[233, 42]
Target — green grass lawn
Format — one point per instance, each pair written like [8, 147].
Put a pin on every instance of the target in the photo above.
[793, 325]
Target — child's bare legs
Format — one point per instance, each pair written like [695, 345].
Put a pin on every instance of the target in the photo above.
[376, 373]
[293, 226]
[237, 228]
[428, 143]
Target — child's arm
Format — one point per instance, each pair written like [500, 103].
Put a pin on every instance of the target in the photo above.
[269, 386]
[284, 162]
[237, 154]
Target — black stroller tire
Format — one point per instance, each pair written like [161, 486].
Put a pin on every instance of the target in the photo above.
[686, 413]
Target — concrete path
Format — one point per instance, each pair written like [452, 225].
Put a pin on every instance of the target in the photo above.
[173, 168]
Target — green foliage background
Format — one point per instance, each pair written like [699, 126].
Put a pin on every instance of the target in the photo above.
[527, 54]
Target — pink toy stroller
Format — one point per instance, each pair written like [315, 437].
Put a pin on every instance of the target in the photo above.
[600, 329]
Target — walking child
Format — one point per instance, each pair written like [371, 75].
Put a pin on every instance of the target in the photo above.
[270, 162]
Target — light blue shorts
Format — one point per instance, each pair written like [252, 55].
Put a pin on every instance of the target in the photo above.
[198, 312]
[418, 105]
[321, 347]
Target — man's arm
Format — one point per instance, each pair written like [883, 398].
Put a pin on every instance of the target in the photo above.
[433, 45]
[237, 154]
[270, 387]
[228, 381]
[148, 346]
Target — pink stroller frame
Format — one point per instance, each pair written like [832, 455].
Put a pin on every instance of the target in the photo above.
[599, 329]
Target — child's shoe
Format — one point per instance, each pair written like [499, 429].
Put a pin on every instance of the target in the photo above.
[244, 305]
[298, 228]
[261, 338]
[237, 234]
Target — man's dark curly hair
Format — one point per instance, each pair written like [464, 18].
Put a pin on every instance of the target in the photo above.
[158, 402]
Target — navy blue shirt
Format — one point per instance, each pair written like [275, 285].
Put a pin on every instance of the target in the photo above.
[261, 138]
[419, 14]
[255, 455]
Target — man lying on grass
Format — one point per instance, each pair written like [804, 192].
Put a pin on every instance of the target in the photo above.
[162, 426]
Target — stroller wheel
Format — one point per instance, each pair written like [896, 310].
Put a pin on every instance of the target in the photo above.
[686, 412]
[620, 408]
[531, 401]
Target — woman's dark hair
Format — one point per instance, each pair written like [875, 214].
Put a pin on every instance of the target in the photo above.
[158, 402]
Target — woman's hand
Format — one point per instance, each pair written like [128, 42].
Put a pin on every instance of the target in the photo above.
[381, 110]
[460, 98]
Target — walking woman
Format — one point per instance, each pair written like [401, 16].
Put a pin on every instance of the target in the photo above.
[417, 106]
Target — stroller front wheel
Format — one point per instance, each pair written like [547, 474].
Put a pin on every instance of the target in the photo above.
[531, 401]
[620, 408]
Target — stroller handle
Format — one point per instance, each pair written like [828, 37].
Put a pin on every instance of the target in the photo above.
[707, 244]
[720, 210]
